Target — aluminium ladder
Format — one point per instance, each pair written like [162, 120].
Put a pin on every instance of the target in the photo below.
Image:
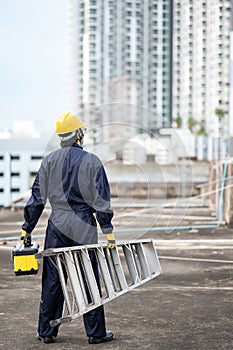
[127, 266]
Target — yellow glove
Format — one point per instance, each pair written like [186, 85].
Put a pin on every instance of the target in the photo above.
[111, 240]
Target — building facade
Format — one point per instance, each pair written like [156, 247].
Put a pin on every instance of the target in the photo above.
[122, 54]
[19, 162]
[201, 64]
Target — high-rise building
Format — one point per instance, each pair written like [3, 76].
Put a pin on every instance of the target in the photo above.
[201, 63]
[122, 54]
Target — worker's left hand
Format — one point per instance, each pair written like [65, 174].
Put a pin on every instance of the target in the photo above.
[26, 238]
[111, 240]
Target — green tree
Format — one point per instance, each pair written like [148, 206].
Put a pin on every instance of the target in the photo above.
[178, 121]
[191, 123]
[219, 112]
[202, 131]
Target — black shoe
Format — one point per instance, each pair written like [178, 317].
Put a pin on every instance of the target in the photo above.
[95, 340]
[46, 340]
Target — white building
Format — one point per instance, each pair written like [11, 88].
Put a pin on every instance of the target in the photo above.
[121, 54]
[19, 162]
[201, 63]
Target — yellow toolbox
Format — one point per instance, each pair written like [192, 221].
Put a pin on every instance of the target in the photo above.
[25, 262]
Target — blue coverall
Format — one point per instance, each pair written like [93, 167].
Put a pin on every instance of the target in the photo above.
[75, 183]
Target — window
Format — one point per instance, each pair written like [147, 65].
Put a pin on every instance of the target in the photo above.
[15, 157]
[36, 157]
[15, 174]
[33, 173]
[15, 190]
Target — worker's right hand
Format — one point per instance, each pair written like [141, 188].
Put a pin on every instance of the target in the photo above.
[111, 240]
[26, 238]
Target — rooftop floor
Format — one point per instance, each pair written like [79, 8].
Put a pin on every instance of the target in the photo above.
[188, 307]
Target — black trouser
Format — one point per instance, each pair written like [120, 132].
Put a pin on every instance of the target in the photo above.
[52, 299]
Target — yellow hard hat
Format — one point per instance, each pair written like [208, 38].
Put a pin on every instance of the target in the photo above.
[68, 122]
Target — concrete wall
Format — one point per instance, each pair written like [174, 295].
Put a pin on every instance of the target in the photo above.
[156, 181]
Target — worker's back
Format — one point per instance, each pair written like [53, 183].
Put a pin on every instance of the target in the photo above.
[75, 183]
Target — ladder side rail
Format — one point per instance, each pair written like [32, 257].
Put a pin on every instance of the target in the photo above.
[90, 277]
[107, 278]
[90, 307]
[63, 284]
[75, 281]
[130, 260]
[114, 253]
[55, 251]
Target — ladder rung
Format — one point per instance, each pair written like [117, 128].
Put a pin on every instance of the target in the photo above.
[75, 281]
[80, 274]
[118, 268]
[151, 258]
[105, 272]
[130, 260]
[90, 277]
[145, 273]
[63, 284]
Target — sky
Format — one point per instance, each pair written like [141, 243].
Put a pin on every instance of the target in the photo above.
[35, 56]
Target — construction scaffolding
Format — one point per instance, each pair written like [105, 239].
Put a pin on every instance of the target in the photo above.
[121, 269]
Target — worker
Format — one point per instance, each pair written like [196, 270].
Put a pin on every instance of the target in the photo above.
[75, 183]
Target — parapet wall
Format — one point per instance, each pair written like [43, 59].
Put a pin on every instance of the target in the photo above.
[156, 181]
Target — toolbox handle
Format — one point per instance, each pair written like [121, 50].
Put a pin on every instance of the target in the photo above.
[26, 238]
